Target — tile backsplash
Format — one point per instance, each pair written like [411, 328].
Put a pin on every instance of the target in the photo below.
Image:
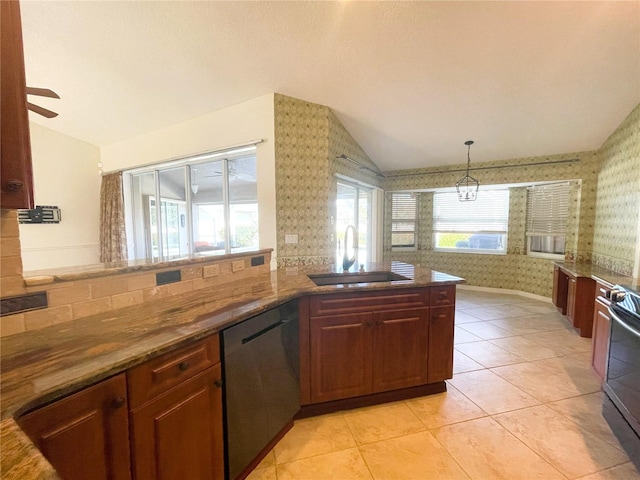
[83, 297]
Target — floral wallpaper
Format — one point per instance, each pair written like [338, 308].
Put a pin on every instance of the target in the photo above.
[308, 138]
[618, 198]
[515, 270]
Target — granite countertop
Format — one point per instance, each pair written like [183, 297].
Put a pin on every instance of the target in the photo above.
[43, 365]
[579, 269]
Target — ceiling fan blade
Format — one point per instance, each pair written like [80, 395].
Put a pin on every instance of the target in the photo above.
[43, 92]
[41, 111]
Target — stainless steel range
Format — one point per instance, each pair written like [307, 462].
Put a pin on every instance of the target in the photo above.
[622, 383]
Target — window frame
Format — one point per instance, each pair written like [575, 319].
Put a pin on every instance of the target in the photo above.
[139, 247]
[452, 197]
[415, 221]
[555, 228]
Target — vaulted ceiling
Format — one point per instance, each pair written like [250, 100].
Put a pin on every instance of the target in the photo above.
[411, 80]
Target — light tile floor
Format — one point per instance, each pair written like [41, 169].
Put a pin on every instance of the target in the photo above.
[523, 404]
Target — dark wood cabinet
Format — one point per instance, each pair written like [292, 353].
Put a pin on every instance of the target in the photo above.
[400, 340]
[340, 356]
[441, 328]
[571, 300]
[573, 294]
[178, 435]
[364, 344]
[16, 176]
[601, 331]
[560, 289]
[176, 414]
[173, 404]
[85, 435]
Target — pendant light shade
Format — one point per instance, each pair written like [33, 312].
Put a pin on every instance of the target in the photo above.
[467, 186]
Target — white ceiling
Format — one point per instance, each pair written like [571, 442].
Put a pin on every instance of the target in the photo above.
[411, 81]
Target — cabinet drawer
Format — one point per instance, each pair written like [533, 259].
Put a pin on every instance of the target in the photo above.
[358, 302]
[442, 296]
[159, 374]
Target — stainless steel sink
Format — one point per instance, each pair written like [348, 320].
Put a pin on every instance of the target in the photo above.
[359, 277]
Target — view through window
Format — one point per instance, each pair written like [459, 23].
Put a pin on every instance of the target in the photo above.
[208, 206]
[473, 227]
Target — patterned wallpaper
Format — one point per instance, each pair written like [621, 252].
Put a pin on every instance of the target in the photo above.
[308, 138]
[618, 198]
[515, 270]
[302, 181]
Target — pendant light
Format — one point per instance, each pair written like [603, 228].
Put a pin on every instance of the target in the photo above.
[467, 186]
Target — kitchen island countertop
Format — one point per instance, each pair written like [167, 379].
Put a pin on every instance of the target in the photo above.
[43, 365]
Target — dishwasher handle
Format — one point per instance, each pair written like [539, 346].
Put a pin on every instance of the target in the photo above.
[265, 330]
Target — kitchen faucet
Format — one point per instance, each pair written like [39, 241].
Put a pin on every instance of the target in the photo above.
[346, 261]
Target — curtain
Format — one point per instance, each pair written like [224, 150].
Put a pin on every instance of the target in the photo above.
[113, 241]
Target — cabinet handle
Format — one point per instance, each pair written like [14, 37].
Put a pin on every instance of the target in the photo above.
[218, 383]
[117, 402]
[14, 184]
[183, 366]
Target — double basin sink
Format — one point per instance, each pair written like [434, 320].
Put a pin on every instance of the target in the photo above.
[321, 279]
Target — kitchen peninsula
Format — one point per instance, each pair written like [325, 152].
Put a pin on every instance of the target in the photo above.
[43, 366]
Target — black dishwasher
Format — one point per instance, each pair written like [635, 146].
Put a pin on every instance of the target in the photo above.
[262, 382]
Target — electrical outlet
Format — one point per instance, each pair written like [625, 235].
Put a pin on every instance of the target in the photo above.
[291, 238]
[237, 265]
[210, 270]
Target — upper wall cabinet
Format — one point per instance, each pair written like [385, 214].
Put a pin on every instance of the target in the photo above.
[16, 188]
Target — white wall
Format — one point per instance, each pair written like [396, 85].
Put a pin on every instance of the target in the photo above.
[65, 174]
[247, 121]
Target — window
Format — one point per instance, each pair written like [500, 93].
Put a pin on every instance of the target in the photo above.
[208, 206]
[354, 206]
[547, 212]
[404, 219]
[472, 227]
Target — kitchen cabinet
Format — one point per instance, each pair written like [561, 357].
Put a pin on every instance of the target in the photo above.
[179, 434]
[441, 327]
[16, 176]
[400, 339]
[85, 435]
[159, 420]
[601, 331]
[176, 414]
[573, 295]
[560, 289]
[341, 356]
[361, 344]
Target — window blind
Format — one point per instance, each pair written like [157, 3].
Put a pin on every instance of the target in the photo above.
[404, 219]
[488, 214]
[547, 209]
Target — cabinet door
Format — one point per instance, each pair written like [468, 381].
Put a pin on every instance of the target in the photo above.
[560, 285]
[400, 340]
[340, 356]
[16, 178]
[178, 436]
[571, 301]
[441, 326]
[85, 435]
[600, 344]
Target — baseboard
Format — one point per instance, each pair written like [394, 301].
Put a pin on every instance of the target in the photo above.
[505, 291]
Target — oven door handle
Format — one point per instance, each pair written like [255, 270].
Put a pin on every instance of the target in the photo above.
[622, 323]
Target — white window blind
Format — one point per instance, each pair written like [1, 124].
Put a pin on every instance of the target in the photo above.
[471, 227]
[488, 214]
[404, 219]
[547, 209]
